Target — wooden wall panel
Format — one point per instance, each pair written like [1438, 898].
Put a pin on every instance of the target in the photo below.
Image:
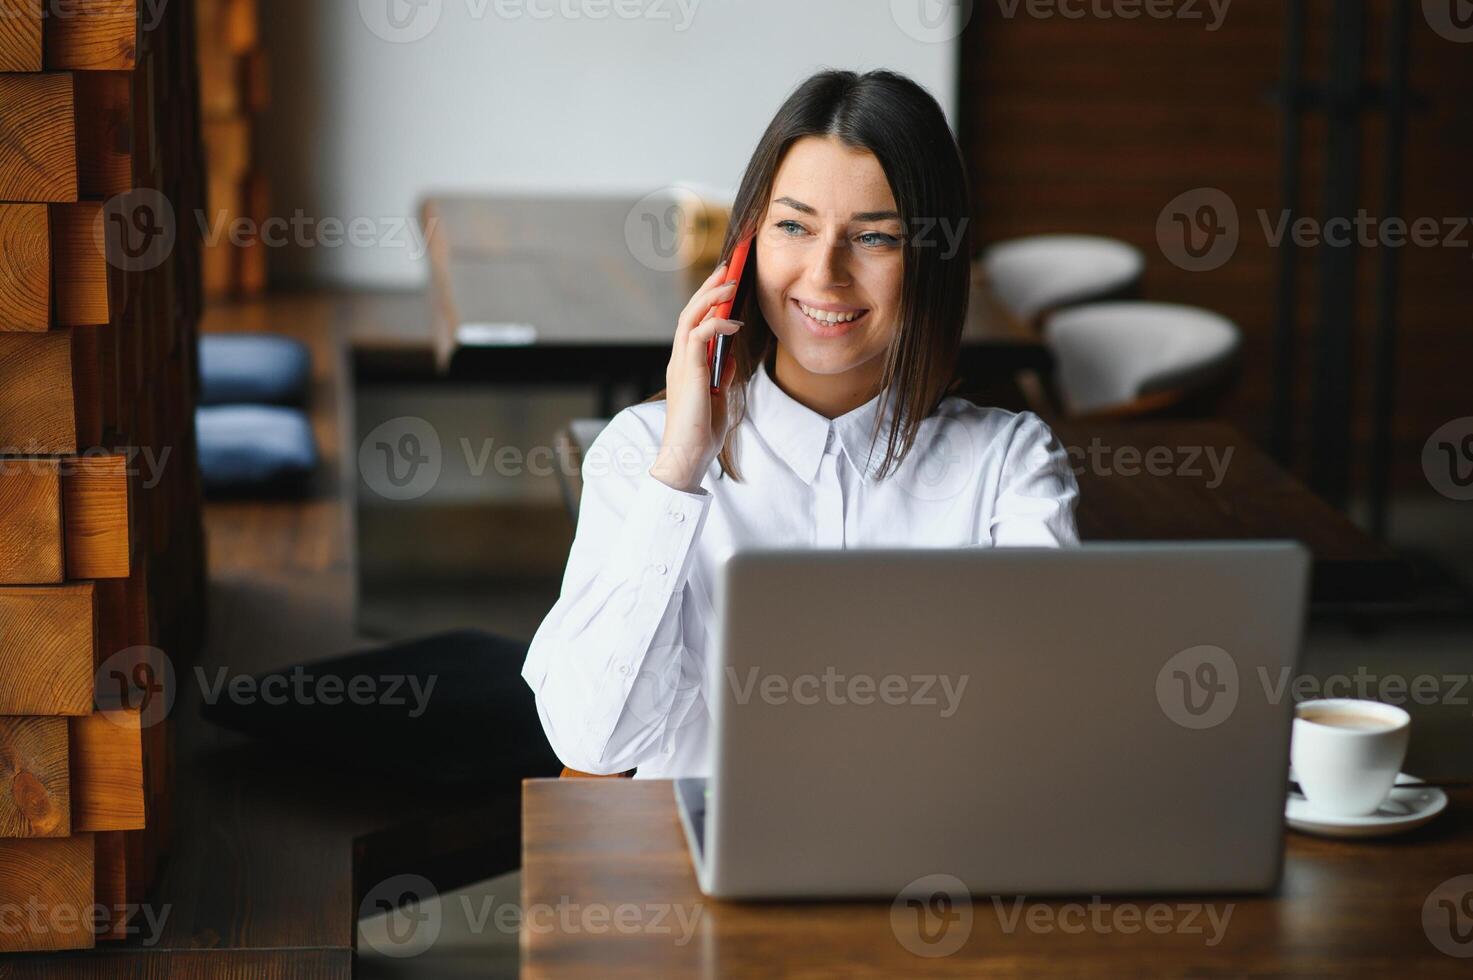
[107, 771]
[55, 874]
[35, 797]
[93, 35]
[96, 504]
[104, 133]
[122, 619]
[46, 649]
[20, 35]
[111, 884]
[234, 90]
[92, 355]
[31, 550]
[25, 275]
[38, 146]
[37, 407]
[86, 387]
[81, 278]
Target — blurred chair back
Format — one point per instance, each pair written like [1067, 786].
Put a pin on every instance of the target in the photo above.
[1135, 358]
[1035, 275]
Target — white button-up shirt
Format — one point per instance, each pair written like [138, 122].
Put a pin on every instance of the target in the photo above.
[620, 664]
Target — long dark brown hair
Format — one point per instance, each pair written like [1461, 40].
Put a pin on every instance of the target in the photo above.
[900, 123]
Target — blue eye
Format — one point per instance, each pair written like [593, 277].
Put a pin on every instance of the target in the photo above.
[875, 239]
[790, 227]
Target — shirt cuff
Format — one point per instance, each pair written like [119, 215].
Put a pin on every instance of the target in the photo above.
[654, 546]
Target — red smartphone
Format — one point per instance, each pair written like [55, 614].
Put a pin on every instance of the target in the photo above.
[718, 348]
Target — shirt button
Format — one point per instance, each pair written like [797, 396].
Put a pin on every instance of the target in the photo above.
[624, 668]
[661, 568]
[677, 517]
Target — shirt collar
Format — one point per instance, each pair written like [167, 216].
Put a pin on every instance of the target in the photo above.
[799, 435]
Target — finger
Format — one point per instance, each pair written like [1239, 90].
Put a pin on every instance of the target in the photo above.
[707, 329]
[701, 336]
[702, 303]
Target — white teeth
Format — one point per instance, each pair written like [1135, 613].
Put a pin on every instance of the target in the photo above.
[824, 316]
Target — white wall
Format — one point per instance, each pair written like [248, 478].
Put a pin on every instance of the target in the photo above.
[538, 95]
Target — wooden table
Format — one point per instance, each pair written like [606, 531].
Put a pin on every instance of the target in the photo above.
[550, 290]
[609, 892]
[1184, 481]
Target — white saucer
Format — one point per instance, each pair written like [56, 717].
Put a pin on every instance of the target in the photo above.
[1407, 807]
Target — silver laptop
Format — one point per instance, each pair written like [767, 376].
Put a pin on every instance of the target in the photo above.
[1102, 719]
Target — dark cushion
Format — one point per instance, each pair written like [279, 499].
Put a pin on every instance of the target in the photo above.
[450, 707]
[253, 369]
[247, 449]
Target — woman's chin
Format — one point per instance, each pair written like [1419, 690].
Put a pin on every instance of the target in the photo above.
[827, 358]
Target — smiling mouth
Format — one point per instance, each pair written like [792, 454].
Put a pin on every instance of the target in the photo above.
[828, 319]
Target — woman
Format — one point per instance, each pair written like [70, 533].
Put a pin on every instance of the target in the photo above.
[832, 428]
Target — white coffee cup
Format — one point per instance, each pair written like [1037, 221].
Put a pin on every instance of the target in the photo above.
[1346, 753]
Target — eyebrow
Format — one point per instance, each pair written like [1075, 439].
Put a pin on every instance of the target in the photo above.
[856, 216]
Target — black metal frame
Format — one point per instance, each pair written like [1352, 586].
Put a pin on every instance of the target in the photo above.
[1344, 98]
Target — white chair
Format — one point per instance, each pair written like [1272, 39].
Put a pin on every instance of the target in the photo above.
[1034, 275]
[1136, 358]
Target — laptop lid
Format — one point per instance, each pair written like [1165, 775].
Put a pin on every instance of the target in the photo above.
[1038, 721]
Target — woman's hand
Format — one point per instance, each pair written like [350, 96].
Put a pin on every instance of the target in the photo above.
[695, 416]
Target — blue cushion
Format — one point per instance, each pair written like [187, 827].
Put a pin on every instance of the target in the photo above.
[253, 369]
[245, 449]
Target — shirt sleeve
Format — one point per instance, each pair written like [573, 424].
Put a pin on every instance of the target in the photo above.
[605, 665]
[1037, 493]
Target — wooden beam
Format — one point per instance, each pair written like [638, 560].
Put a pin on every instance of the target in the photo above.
[46, 649]
[86, 387]
[255, 81]
[95, 503]
[90, 35]
[219, 82]
[122, 619]
[37, 407]
[80, 263]
[34, 788]
[38, 139]
[241, 30]
[111, 883]
[25, 273]
[54, 877]
[227, 147]
[31, 542]
[107, 771]
[104, 102]
[20, 35]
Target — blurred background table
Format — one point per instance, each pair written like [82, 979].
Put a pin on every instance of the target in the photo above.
[586, 290]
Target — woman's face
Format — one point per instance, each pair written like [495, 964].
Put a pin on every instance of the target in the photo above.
[829, 258]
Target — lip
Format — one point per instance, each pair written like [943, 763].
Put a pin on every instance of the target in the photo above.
[829, 330]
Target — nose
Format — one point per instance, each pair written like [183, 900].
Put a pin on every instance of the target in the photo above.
[830, 262]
